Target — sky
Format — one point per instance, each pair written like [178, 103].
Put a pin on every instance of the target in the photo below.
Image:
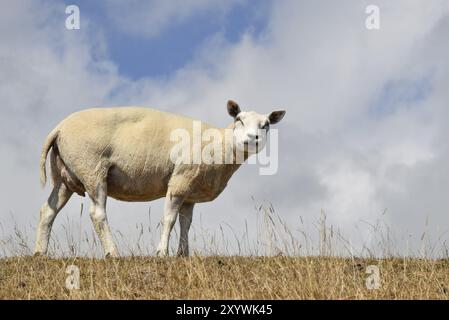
[364, 139]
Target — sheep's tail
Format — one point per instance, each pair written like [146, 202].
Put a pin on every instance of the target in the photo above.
[45, 149]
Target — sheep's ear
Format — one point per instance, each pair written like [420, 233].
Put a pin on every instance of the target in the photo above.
[276, 116]
[233, 108]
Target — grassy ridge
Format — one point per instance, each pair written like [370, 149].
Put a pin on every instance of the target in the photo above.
[223, 278]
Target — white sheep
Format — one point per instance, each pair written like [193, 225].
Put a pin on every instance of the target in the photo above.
[125, 153]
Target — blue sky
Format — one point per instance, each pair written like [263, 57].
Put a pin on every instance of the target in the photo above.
[398, 94]
[138, 56]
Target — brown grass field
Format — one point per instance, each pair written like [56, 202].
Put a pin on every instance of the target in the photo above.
[223, 278]
[281, 264]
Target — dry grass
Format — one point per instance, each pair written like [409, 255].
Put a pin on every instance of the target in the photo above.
[223, 278]
[283, 261]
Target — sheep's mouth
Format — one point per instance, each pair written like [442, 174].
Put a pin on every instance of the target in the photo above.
[251, 146]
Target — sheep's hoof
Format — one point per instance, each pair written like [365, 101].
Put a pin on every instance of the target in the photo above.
[161, 253]
[38, 254]
[111, 255]
[182, 253]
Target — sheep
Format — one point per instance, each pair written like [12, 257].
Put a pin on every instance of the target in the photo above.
[126, 153]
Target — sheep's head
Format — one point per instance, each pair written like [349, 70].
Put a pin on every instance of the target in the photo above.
[251, 128]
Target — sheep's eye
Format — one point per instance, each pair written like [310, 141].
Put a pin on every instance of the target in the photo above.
[239, 120]
[266, 126]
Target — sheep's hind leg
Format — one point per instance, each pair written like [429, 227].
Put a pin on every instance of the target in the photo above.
[171, 209]
[58, 198]
[99, 219]
[185, 219]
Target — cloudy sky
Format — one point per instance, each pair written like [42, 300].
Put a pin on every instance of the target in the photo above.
[365, 137]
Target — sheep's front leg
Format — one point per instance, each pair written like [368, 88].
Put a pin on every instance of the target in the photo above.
[185, 219]
[171, 210]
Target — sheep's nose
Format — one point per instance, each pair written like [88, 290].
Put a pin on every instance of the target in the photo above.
[253, 136]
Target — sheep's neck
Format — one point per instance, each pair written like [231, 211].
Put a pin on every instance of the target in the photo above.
[230, 152]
